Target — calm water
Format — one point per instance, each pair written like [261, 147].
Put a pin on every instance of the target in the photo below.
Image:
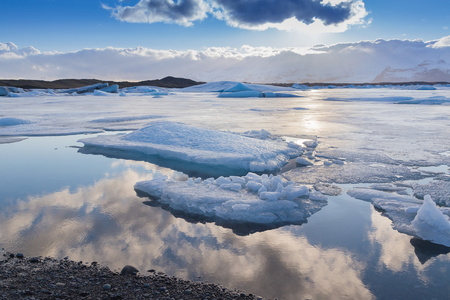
[55, 201]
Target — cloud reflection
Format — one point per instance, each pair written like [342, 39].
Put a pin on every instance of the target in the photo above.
[107, 222]
[400, 252]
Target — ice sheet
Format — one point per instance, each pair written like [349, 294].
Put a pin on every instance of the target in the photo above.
[12, 121]
[176, 141]
[339, 171]
[251, 199]
[42, 130]
[439, 190]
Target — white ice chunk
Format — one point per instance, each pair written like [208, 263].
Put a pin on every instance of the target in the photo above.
[202, 146]
[431, 224]
[231, 186]
[254, 186]
[232, 202]
[303, 161]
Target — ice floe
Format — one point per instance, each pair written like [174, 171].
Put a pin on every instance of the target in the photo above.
[264, 200]
[422, 219]
[126, 119]
[183, 143]
[41, 130]
[439, 190]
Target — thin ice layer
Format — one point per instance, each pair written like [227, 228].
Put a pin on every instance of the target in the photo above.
[175, 141]
[422, 219]
[250, 199]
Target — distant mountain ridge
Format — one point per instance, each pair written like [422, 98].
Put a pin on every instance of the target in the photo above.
[427, 71]
[166, 82]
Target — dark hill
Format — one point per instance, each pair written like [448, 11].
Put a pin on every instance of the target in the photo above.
[166, 82]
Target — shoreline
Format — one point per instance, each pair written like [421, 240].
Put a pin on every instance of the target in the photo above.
[49, 278]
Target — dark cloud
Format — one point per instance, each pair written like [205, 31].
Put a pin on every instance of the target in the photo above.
[245, 13]
[258, 12]
[149, 11]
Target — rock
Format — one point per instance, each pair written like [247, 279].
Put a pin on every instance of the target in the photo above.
[34, 260]
[19, 255]
[129, 270]
[107, 286]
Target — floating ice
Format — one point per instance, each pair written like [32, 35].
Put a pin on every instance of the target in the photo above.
[101, 93]
[375, 99]
[338, 171]
[303, 161]
[176, 141]
[221, 86]
[125, 119]
[431, 224]
[85, 89]
[111, 89]
[7, 90]
[12, 121]
[427, 101]
[241, 90]
[41, 130]
[439, 190]
[251, 199]
[409, 215]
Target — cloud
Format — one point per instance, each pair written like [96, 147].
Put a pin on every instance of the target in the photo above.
[301, 15]
[182, 12]
[347, 62]
[441, 43]
[108, 223]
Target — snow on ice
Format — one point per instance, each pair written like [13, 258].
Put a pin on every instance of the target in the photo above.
[251, 199]
[176, 141]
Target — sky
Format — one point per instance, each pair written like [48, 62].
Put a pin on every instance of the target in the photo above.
[66, 27]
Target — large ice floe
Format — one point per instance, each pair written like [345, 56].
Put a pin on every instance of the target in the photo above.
[180, 144]
[244, 203]
[422, 219]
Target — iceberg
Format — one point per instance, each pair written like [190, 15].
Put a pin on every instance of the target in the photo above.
[422, 219]
[241, 90]
[182, 143]
[265, 201]
[85, 89]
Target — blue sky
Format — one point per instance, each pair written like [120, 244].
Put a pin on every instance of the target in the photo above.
[70, 25]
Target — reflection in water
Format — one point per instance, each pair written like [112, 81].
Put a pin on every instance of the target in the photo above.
[108, 223]
[426, 250]
[396, 251]
[411, 260]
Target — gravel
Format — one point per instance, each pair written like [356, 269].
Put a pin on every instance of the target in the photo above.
[30, 278]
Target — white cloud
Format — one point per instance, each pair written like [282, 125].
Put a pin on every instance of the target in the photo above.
[349, 62]
[443, 42]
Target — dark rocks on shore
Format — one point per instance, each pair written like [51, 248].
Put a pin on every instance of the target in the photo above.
[47, 278]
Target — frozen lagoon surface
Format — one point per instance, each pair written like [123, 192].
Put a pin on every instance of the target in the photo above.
[58, 200]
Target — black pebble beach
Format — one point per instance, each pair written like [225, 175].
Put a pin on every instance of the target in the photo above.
[48, 278]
